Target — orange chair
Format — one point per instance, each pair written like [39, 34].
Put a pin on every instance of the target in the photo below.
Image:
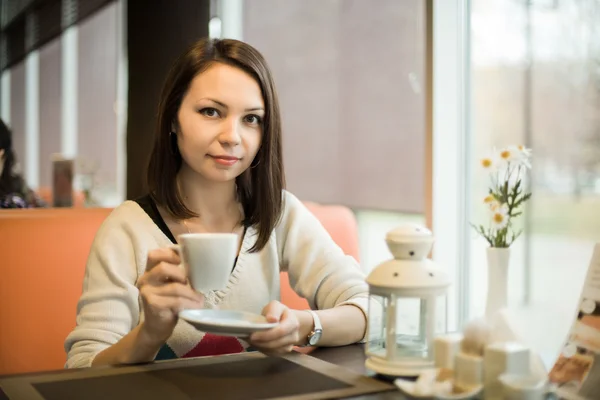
[44, 252]
[341, 224]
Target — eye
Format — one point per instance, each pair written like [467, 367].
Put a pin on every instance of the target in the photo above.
[253, 119]
[209, 112]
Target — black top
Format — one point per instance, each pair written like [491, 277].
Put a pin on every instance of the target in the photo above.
[149, 206]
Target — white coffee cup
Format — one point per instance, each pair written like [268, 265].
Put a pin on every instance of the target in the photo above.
[207, 258]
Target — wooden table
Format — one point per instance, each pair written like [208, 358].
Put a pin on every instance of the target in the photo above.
[325, 373]
[353, 358]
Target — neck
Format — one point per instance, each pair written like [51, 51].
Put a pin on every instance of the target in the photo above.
[214, 202]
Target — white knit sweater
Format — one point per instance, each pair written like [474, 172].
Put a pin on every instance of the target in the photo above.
[109, 307]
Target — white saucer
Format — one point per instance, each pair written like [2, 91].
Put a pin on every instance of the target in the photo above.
[226, 322]
[409, 388]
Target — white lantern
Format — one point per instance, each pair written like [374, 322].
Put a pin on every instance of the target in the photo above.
[404, 294]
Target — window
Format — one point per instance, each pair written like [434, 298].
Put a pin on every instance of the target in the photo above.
[350, 82]
[98, 51]
[50, 108]
[536, 82]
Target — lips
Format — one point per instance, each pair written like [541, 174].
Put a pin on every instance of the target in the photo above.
[225, 160]
[228, 158]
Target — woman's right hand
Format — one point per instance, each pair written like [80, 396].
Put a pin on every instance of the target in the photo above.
[165, 292]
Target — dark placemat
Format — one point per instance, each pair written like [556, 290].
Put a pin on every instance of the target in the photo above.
[257, 379]
[249, 375]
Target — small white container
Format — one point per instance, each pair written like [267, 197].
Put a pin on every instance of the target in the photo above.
[468, 371]
[446, 347]
[503, 358]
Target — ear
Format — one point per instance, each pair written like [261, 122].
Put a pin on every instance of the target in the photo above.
[174, 126]
[1, 154]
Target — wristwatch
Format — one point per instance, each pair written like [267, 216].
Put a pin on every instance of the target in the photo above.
[317, 332]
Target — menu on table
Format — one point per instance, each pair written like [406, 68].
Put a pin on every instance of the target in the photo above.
[576, 372]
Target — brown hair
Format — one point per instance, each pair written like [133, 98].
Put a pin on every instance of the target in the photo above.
[259, 188]
[9, 180]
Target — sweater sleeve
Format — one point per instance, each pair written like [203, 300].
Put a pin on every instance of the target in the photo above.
[108, 308]
[318, 268]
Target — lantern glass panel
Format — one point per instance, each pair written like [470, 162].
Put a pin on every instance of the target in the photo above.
[377, 324]
[411, 327]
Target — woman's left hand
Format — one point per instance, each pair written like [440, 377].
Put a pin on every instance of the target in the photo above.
[282, 338]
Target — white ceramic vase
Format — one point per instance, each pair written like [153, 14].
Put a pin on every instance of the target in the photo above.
[497, 298]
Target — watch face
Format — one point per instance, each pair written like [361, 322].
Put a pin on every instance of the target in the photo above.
[314, 338]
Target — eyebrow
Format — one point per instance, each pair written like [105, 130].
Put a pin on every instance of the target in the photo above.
[225, 105]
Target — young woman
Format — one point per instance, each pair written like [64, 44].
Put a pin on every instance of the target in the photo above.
[14, 192]
[216, 167]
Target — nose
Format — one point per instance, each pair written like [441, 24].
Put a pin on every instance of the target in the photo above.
[230, 134]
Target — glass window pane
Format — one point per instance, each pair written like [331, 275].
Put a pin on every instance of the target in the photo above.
[498, 84]
[350, 79]
[536, 81]
[97, 95]
[564, 213]
[50, 108]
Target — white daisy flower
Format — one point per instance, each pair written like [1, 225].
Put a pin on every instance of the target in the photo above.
[509, 155]
[500, 217]
[491, 202]
[520, 155]
[525, 152]
[525, 155]
[489, 163]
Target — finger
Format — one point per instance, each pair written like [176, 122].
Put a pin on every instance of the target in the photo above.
[178, 290]
[161, 274]
[174, 290]
[279, 344]
[166, 272]
[273, 311]
[157, 256]
[274, 334]
[173, 304]
[286, 327]
[283, 341]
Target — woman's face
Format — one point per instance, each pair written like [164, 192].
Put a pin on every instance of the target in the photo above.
[220, 123]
